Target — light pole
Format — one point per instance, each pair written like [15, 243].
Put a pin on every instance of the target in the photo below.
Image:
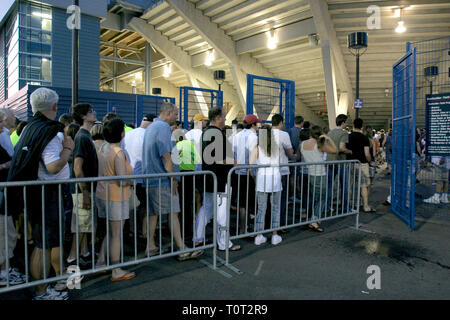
[430, 74]
[355, 42]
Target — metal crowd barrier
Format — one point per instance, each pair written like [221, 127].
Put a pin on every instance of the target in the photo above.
[339, 198]
[199, 177]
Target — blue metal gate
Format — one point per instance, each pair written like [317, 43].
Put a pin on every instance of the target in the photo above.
[125, 110]
[132, 112]
[197, 100]
[268, 96]
[403, 138]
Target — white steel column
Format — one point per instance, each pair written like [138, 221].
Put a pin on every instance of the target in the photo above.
[148, 68]
[330, 83]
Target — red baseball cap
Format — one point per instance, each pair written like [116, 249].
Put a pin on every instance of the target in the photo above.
[251, 119]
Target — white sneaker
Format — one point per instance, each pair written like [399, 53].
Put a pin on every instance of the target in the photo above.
[61, 285]
[433, 200]
[276, 239]
[52, 294]
[260, 239]
[15, 277]
[444, 198]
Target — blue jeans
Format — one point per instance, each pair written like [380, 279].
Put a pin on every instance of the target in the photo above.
[343, 180]
[275, 198]
[283, 203]
[317, 194]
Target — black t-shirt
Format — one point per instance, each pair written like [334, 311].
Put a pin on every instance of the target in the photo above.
[4, 157]
[356, 143]
[84, 148]
[211, 154]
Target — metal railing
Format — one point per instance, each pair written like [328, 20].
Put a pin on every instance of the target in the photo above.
[28, 187]
[336, 195]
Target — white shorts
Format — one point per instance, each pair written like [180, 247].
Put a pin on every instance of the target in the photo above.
[117, 210]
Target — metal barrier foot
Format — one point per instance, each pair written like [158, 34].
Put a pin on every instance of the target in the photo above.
[358, 228]
[229, 266]
[209, 265]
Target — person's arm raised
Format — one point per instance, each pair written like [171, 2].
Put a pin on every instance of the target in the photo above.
[328, 146]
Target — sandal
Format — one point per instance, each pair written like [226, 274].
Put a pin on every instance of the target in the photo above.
[152, 252]
[98, 266]
[189, 255]
[126, 276]
[233, 248]
[370, 211]
[315, 228]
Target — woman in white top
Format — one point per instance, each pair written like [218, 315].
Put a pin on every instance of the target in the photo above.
[312, 150]
[268, 181]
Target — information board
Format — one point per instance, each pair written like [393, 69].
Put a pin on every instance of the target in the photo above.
[438, 124]
[358, 104]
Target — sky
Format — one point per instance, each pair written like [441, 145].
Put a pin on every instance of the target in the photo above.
[4, 6]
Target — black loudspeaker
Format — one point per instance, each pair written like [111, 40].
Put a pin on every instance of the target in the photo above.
[357, 40]
[431, 71]
[156, 91]
[219, 75]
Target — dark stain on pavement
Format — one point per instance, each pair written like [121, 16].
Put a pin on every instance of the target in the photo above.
[400, 251]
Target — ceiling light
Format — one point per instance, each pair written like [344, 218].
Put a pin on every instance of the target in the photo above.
[167, 70]
[272, 39]
[401, 24]
[209, 57]
[400, 27]
[138, 76]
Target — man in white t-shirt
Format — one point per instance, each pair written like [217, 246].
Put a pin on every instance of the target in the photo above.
[244, 143]
[286, 151]
[53, 166]
[133, 144]
[195, 134]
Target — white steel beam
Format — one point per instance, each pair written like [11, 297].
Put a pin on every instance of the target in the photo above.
[330, 83]
[325, 28]
[287, 33]
[180, 58]
[222, 43]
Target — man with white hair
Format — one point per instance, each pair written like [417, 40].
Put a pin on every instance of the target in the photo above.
[5, 136]
[42, 153]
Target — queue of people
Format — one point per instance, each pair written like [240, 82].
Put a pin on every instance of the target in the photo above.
[79, 146]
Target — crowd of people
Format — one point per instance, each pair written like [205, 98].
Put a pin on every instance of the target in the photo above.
[80, 146]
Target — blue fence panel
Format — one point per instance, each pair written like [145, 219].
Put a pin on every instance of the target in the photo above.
[404, 126]
[197, 100]
[432, 168]
[129, 107]
[269, 96]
